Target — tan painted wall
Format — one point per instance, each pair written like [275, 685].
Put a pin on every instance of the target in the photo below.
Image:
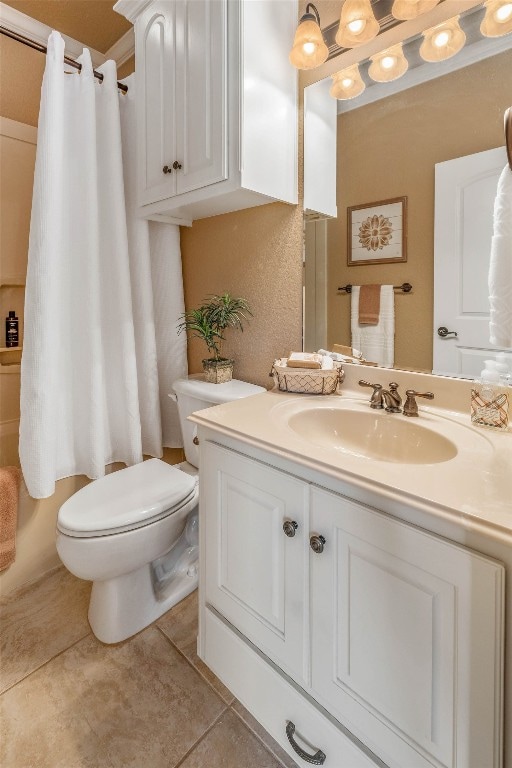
[256, 254]
[388, 149]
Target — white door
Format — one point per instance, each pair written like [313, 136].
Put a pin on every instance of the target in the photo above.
[201, 92]
[465, 190]
[255, 573]
[155, 53]
[406, 633]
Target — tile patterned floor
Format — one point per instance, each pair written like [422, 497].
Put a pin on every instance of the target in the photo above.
[68, 701]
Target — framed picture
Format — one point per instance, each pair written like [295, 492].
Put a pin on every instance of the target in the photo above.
[377, 232]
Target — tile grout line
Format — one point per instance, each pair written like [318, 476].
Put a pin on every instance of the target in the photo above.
[201, 738]
[258, 737]
[176, 648]
[48, 661]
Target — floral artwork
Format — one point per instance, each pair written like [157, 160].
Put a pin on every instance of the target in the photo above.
[377, 232]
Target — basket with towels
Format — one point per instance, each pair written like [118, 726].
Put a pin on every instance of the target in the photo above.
[307, 373]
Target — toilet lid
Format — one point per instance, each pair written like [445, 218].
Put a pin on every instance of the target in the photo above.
[126, 499]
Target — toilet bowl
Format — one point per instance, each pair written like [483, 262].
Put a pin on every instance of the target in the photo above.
[134, 533]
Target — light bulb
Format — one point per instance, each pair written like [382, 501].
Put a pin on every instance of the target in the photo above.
[498, 18]
[503, 13]
[358, 24]
[441, 39]
[347, 84]
[388, 65]
[388, 62]
[309, 49]
[442, 42]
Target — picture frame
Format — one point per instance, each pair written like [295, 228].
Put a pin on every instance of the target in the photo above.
[377, 232]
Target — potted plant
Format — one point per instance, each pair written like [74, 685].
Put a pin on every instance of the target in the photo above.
[209, 323]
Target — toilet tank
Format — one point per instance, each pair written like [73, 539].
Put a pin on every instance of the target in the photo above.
[194, 394]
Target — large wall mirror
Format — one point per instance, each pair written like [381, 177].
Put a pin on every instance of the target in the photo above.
[389, 144]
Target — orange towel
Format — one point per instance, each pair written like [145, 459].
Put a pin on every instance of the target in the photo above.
[9, 488]
[369, 304]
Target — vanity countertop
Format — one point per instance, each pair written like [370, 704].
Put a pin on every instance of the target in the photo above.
[475, 486]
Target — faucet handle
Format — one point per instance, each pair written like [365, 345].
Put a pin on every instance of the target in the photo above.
[411, 406]
[376, 398]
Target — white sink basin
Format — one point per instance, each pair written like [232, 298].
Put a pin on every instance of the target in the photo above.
[373, 434]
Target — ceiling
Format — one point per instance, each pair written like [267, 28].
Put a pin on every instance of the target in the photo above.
[91, 22]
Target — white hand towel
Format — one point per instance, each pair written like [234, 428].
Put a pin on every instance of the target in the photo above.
[500, 267]
[376, 342]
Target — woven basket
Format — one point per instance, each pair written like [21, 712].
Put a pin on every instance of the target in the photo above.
[305, 380]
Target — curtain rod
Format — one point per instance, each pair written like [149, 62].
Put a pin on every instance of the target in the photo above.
[43, 49]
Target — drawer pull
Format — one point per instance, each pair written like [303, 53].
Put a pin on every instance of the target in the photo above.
[317, 759]
[289, 527]
[317, 544]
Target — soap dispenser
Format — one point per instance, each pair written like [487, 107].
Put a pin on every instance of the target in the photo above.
[489, 399]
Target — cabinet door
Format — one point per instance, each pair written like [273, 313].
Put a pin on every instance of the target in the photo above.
[201, 82]
[406, 638]
[255, 575]
[155, 53]
[320, 131]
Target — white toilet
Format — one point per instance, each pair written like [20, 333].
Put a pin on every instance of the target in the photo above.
[134, 533]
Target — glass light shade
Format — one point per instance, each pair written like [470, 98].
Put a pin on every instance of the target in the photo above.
[388, 65]
[309, 49]
[347, 84]
[358, 24]
[442, 42]
[404, 10]
[498, 18]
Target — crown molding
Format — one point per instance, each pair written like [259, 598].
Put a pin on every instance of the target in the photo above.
[123, 49]
[130, 9]
[36, 30]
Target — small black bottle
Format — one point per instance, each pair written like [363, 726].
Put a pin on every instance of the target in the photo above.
[11, 330]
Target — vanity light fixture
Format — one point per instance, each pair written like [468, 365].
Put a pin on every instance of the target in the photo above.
[498, 18]
[404, 10]
[388, 65]
[347, 84]
[358, 24]
[309, 49]
[443, 41]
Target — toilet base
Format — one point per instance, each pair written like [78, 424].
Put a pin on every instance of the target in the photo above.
[121, 607]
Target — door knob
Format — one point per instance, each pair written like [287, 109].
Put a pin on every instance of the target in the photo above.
[167, 169]
[443, 332]
[317, 544]
[289, 527]
[176, 165]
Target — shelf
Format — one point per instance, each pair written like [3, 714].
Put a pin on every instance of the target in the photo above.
[10, 349]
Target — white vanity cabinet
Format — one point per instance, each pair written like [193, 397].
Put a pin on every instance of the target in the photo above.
[216, 105]
[395, 632]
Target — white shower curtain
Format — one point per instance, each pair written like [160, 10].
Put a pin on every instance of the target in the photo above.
[90, 381]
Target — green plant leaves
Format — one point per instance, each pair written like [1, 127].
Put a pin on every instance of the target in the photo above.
[213, 317]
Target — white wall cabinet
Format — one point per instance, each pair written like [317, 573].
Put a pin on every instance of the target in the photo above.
[394, 631]
[216, 105]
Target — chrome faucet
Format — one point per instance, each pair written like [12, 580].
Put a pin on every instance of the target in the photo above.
[390, 399]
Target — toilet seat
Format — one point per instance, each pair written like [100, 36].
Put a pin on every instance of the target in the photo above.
[127, 499]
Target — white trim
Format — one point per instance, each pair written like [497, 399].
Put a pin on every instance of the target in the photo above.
[164, 219]
[470, 54]
[130, 9]
[36, 30]
[21, 131]
[123, 49]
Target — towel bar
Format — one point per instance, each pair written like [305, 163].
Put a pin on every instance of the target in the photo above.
[405, 288]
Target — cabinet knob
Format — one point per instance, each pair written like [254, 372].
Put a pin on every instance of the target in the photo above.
[317, 544]
[176, 165]
[167, 169]
[289, 527]
[195, 440]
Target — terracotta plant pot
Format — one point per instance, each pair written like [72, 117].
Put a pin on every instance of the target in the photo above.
[218, 371]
